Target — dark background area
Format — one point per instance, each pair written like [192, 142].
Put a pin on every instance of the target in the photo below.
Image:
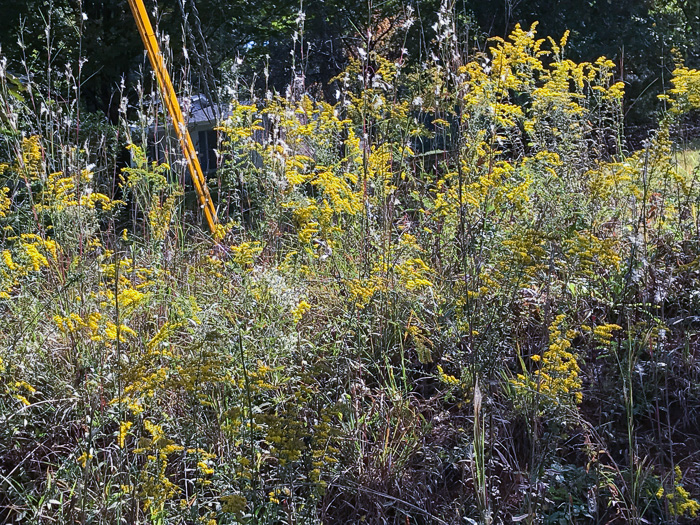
[644, 38]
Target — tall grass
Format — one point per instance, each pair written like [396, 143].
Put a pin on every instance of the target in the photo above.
[449, 296]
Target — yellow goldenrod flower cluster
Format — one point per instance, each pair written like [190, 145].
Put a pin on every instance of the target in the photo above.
[431, 215]
[5, 202]
[124, 427]
[299, 310]
[320, 186]
[160, 216]
[447, 379]
[679, 501]
[30, 163]
[233, 503]
[20, 390]
[604, 332]
[84, 458]
[245, 253]
[32, 254]
[557, 377]
[685, 94]
[414, 274]
[362, 290]
[73, 324]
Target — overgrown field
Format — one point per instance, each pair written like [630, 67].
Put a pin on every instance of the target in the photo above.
[452, 296]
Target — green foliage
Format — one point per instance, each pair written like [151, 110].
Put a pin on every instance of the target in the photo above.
[453, 296]
[643, 38]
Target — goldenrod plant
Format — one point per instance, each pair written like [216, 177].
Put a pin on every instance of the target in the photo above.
[451, 294]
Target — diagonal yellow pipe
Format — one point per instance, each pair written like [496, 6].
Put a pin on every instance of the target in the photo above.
[166, 87]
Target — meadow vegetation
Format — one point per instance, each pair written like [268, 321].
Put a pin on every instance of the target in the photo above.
[450, 295]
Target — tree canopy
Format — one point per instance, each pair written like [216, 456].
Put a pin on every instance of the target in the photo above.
[209, 38]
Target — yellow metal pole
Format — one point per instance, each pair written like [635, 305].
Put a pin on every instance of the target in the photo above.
[168, 93]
